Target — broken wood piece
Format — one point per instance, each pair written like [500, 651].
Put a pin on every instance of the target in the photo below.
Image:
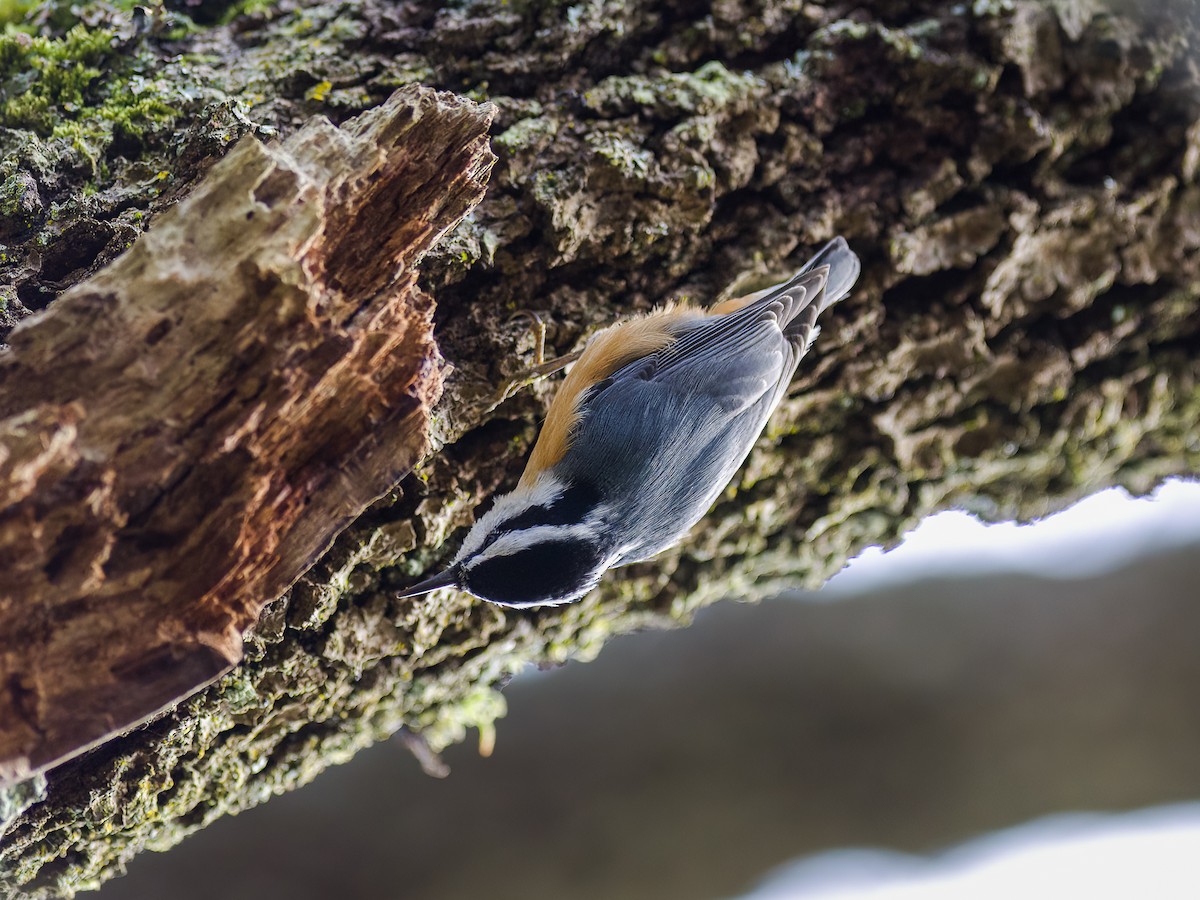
[183, 434]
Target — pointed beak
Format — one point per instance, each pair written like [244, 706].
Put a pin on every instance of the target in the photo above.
[449, 578]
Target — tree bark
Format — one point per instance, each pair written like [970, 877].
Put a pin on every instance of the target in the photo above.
[1020, 180]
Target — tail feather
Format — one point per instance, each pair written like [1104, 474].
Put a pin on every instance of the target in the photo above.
[844, 269]
[823, 280]
[841, 269]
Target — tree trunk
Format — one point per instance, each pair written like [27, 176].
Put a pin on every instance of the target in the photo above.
[1019, 178]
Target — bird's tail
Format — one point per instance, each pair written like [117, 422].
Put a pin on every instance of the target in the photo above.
[801, 308]
[844, 268]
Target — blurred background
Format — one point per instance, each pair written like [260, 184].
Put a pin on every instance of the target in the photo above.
[986, 711]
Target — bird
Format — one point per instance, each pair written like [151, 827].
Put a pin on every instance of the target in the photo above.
[646, 431]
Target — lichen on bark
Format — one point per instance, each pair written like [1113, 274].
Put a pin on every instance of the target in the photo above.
[1025, 331]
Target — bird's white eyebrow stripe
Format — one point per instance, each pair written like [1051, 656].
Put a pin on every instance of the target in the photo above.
[543, 493]
[516, 541]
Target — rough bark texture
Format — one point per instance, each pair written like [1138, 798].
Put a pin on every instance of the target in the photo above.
[184, 433]
[1020, 179]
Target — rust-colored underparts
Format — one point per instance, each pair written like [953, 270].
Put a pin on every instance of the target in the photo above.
[184, 433]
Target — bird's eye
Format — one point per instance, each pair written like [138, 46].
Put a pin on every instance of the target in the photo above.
[549, 571]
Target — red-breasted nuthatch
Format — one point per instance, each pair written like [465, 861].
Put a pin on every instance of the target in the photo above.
[646, 431]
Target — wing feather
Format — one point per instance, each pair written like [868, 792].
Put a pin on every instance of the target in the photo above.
[661, 431]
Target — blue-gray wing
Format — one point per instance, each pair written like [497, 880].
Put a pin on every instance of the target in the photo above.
[664, 435]
[661, 450]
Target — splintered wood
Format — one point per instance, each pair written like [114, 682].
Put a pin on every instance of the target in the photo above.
[182, 435]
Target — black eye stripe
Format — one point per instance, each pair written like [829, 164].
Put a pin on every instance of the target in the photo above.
[569, 508]
[547, 571]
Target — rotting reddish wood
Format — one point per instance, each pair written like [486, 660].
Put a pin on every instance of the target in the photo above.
[183, 434]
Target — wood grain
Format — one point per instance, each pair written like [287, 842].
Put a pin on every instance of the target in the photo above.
[185, 432]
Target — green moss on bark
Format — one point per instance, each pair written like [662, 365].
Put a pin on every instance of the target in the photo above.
[1025, 331]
